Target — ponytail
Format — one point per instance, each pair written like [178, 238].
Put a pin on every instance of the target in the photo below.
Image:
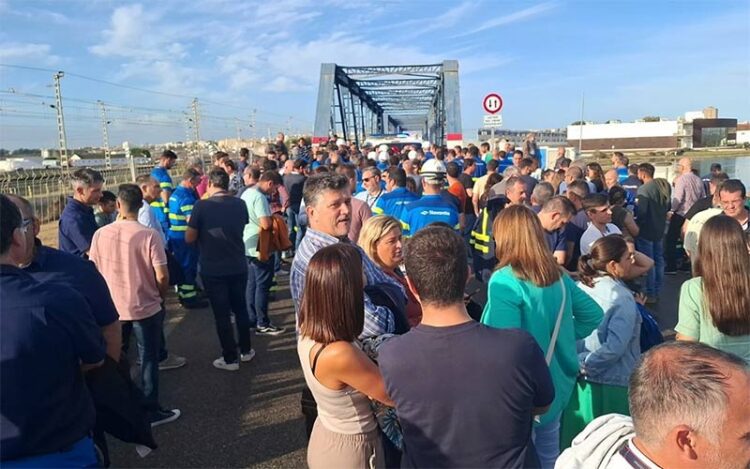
[603, 251]
[586, 271]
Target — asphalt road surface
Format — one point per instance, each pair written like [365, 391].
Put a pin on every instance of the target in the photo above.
[250, 418]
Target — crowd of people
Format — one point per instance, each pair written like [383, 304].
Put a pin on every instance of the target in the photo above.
[561, 365]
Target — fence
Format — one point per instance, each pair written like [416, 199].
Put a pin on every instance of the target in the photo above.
[46, 189]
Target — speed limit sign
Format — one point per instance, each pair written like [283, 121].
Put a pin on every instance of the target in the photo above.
[492, 103]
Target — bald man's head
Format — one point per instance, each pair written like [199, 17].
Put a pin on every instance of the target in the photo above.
[685, 165]
[611, 178]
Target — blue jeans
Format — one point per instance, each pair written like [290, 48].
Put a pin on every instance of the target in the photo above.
[227, 294]
[547, 442]
[148, 337]
[655, 276]
[259, 278]
[291, 220]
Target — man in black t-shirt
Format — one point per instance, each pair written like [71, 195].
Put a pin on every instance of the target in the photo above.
[217, 224]
[294, 181]
[465, 393]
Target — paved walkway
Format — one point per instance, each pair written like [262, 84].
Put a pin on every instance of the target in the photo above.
[229, 419]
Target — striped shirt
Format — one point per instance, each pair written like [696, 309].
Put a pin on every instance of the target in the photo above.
[688, 188]
[378, 319]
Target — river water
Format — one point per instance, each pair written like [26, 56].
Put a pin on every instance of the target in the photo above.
[737, 167]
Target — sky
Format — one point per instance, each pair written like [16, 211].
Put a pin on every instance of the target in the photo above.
[145, 61]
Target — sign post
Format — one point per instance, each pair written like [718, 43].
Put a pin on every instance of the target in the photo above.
[492, 104]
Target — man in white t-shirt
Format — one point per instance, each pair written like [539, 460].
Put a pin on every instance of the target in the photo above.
[599, 211]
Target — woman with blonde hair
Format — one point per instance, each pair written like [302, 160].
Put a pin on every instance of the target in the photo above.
[529, 291]
[381, 239]
[715, 306]
[338, 372]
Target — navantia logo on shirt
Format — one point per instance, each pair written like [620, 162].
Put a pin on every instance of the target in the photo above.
[434, 212]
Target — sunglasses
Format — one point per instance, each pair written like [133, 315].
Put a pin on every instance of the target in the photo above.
[368, 179]
[601, 210]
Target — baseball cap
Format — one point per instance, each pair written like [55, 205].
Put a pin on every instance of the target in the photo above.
[433, 171]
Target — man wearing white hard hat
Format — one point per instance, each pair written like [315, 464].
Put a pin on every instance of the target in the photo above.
[433, 206]
[383, 158]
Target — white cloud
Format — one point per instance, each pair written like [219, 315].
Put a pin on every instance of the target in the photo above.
[521, 15]
[10, 51]
[135, 33]
[418, 26]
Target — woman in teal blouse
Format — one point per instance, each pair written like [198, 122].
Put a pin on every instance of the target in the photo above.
[715, 307]
[526, 292]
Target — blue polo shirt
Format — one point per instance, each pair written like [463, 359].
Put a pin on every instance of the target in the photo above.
[76, 228]
[622, 174]
[52, 265]
[165, 180]
[480, 168]
[47, 332]
[394, 203]
[429, 209]
[161, 212]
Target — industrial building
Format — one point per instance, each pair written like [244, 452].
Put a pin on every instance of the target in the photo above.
[696, 129]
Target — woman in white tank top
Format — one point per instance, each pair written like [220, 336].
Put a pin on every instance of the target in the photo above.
[339, 374]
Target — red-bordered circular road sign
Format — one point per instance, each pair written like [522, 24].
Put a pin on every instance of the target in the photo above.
[492, 103]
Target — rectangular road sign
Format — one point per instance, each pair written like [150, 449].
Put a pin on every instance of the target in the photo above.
[493, 120]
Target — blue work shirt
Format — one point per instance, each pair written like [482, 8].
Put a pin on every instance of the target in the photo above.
[165, 180]
[429, 209]
[394, 203]
[76, 228]
[180, 207]
[161, 212]
[480, 168]
[53, 265]
[622, 174]
[47, 332]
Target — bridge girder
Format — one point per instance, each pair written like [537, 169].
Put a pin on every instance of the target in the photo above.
[354, 101]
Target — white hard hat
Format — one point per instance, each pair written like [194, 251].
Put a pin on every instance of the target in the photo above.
[383, 147]
[413, 155]
[372, 156]
[340, 142]
[383, 156]
[433, 171]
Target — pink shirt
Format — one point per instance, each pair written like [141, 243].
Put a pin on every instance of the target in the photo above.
[360, 213]
[125, 252]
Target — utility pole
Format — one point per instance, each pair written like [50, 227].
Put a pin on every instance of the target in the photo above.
[196, 128]
[580, 131]
[239, 132]
[105, 136]
[61, 138]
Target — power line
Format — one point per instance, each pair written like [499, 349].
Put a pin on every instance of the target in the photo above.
[136, 88]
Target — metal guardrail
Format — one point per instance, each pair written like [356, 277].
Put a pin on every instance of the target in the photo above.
[46, 189]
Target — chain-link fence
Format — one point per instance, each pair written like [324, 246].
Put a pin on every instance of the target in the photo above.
[46, 189]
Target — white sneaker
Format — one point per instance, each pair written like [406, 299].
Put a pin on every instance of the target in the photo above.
[222, 365]
[246, 357]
